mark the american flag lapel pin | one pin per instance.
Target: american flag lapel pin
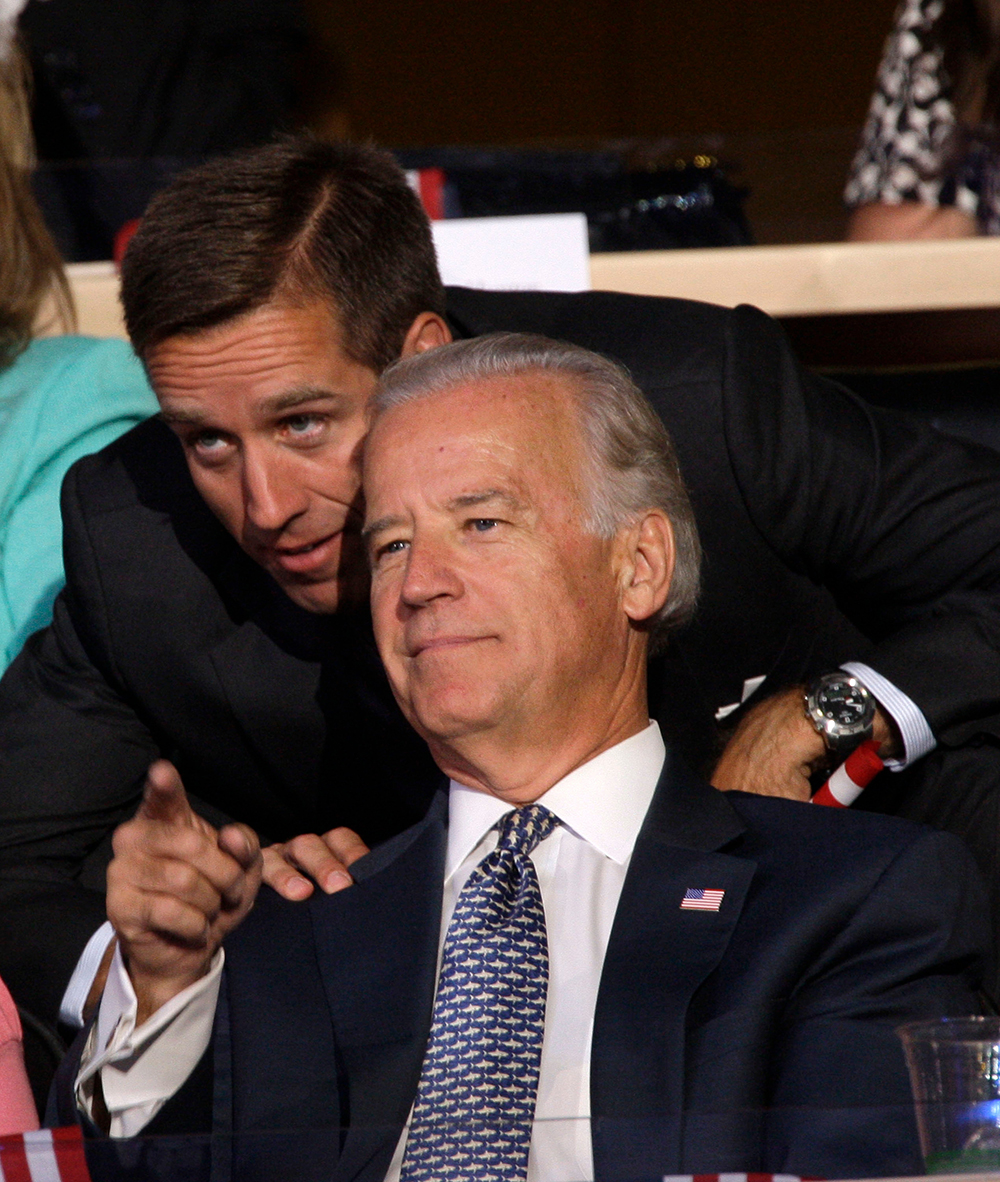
(699, 899)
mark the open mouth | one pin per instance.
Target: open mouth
(308, 557)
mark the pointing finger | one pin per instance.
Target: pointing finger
(164, 798)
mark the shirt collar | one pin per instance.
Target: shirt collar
(604, 801)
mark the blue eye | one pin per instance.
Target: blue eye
(396, 547)
(482, 524)
(209, 442)
(303, 425)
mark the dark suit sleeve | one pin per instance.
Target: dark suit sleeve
(73, 759)
(839, 1095)
(901, 523)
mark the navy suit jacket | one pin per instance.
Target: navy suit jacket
(758, 1038)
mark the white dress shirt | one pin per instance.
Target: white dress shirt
(581, 867)
(141, 1067)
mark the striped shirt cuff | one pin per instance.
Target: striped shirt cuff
(75, 997)
(918, 738)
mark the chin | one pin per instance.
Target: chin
(323, 598)
(449, 719)
(327, 596)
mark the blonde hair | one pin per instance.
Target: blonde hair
(31, 271)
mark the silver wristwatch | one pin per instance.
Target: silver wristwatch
(842, 710)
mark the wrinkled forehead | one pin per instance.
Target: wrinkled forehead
(268, 346)
(527, 422)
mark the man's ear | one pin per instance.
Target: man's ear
(649, 565)
(426, 332)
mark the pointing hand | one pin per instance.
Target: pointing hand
(176, 888)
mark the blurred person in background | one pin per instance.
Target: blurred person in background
(929, 161)
(17, 1108)
(61, 397)
(127, 93)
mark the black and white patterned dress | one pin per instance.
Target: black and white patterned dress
(906, 151)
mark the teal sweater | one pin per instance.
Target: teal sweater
(63, 398)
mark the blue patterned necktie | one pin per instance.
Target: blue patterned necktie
(476, 1098)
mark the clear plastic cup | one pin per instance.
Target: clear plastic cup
(954, 1068)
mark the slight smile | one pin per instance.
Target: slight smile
(441, 642)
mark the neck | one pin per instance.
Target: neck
(521, 768)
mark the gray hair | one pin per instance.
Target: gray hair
(632, 460)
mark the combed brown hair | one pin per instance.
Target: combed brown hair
(295, 220)
(30, 267)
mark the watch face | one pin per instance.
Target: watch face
(842, 703)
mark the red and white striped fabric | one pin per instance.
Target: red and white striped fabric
(740, 1178)
(857, 771)
(48, 1155)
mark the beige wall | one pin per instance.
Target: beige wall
(785, 281)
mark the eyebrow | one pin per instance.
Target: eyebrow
(298, 397)
(176, 415)
(377, 527)
(465, 501)
(468, 500)
(276, 404)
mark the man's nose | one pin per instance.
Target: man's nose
(271, 494)
(430, 573)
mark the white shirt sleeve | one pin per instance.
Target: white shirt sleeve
(78, 989)
(142, 1067)
(918, 738)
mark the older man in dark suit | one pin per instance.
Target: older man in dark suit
(213, 574)
(579, 929)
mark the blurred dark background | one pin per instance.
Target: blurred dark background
(775, 90)
(778, 87)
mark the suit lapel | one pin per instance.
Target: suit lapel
(657, 957)
(381, 992)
